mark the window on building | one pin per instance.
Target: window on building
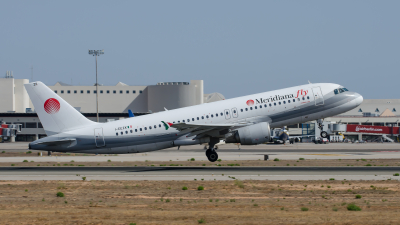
(140, 92)
(120, 91)
(394, 110)
(81, 91)
(114, 92)
(88, 91)
(127, 91)
(108, 91)
(69, 92)
(75, 91)
(31, 125)
(376, 110)
(134, 92)
(94, 92)
(55, 91)
(101, 91)
(62, 91)
(40, 125)
(359, 110)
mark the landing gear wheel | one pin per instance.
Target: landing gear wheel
(208, 152)
(213, 156)
(324, 134)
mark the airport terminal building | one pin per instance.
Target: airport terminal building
(115, 101)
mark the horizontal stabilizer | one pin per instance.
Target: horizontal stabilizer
(58, 142)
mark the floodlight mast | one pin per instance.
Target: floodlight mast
(96, 53)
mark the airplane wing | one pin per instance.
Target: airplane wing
(202, 130)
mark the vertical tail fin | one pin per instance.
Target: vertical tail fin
(55, 114)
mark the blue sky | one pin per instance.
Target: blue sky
(236, 47)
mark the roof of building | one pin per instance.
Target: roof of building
(378, 106)
(213, 97)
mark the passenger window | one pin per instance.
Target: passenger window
(131, 131)
(159, 125)
(246, 109)
(155, 126)
(270, 104)
(197, 118)
(298, 99)
(227, 112)
(207, 116)
(241, 110)
(135, 130)
(222, 114)
(280, 103)
(122, 133)
(188, 120)
(126, 132)
(288, 101)
(274, 103)
(284, 102)
(255, 107)
(260, 106)
(216, 114)
(192, 119)
(150, 127)
(145, 128)
(308, 97)
(179, 121)
(265, 105)
(212, 115)
(202, 117)
(140, 129)
(294, 100)
(234, 111)
(116, 134)
(304, 98)
(251, 108)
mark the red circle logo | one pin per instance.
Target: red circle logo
(51, 106)
(250, 102)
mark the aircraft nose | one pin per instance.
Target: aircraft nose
(358, 99)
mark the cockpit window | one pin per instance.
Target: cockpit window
(340, 90)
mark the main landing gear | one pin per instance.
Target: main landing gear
(210, 152)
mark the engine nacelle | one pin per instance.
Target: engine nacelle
(251, 135)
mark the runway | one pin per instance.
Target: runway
(191, 173)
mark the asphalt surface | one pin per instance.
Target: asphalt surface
(197, 170)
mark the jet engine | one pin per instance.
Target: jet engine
(251, 135)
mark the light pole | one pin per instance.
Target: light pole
(96, 53)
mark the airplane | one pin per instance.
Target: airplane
(246, 120)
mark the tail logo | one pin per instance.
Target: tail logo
(52, 106)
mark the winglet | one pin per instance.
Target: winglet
(130, 113)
